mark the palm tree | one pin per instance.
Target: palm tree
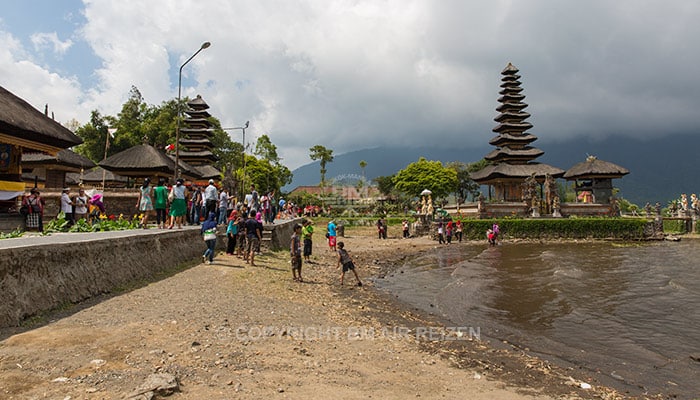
(324, 156)
(363, 164)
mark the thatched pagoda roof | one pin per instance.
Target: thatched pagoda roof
(64, 159)
(501, 171)
(198, 103)
(506, 138)
(198, 155)
(595, 168)
(198, 113)
(196, 132)
(22, 124)
(526, 153)
(208, 171)
(187, 169)
(140, 160)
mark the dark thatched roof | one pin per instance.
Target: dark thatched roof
(187, 169)
(198, 103)
(595, 168)
(501, 171)
(504, 153)
(140, 160)
(65, 158)
(524, 138)
(94, 176)
(208, 172)
(20, 120)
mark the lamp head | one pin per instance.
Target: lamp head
(246, 123)
(205, 45)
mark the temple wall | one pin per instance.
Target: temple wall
(520, 209)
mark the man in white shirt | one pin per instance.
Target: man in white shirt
(67, 206)
(223, 207)
(211, 196)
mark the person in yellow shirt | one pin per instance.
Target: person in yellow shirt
(306, 233)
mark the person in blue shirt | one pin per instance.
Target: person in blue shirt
(332, 235)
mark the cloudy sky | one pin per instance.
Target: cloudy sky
(354, 74)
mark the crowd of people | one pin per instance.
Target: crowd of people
(80, 206)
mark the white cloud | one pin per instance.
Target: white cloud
(51, 40)
(38, 85)
(351, 74)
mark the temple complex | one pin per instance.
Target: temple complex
(512, 161)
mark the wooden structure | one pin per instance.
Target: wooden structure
(512, 162)
(24, 129)
(52, 170)
(146, 161)
(593, 179)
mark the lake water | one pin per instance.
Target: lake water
(628, 312)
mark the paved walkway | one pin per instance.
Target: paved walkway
(34, 239)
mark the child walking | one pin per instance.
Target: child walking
(345, 260)
(295, 253)
(208, 231)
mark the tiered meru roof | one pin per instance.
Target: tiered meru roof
(197, 136)
(512, 159)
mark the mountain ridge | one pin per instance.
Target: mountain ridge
(660, 169)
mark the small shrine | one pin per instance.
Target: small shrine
(512, 161)
(593, 179)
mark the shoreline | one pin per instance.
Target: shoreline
(490, 357)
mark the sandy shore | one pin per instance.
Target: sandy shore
(229, 330)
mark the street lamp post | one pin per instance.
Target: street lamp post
(242, 128)
(179, 109)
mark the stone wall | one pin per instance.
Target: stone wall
(42, 277)
(280, 233)
(45, 272)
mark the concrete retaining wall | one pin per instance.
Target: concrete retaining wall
(42, 277)
(44, 272)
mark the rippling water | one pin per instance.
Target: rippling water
(628, 311)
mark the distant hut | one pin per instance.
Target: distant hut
(52, 170)
(97, 177)
(25, 129)
(593, 179)
(144, 161)
(196, 140)
(511, 163)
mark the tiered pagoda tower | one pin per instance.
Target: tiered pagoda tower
(196, 139)
(513, 159)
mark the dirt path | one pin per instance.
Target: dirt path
(229, 330)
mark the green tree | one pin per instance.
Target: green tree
(265, 149)
(265, 175)
(94, 135)
(363, 164)
(424, 174)
(324, 156)
(385, 184)
(466, 187)
(266, 172)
